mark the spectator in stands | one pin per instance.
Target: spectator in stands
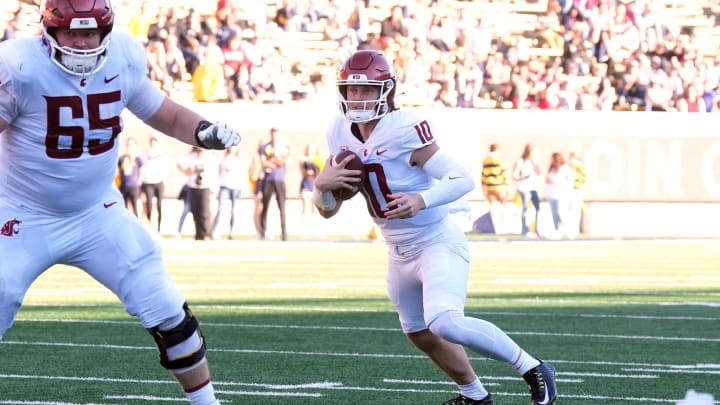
(441, 34)
(227, 27)
(140, 22)
(611, 33)
(392, 29)
(691, 101)
(336, 30)
(193, 53)
(359, 22)
(710, 95)
(209, 76)
(550, 29)
(160, 27)
(497, 73)
(371, 42)
(315, 15)
(237, 69)
(192, 25)
(268, 80)
(658, 97)
(177, 24)
(157, 65)
(175, 64)
(283, 15)
(605, 95)
(632, 90)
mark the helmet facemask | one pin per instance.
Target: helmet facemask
(78, 62)
(365, 110)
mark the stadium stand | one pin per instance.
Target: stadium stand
(552, 52)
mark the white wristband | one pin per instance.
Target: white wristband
(325, 200)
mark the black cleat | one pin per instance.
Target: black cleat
(463, 400)
(541, 380)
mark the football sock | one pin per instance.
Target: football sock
(525, 362)
(203, 394)
(474, 390)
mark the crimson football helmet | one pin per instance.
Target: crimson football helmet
(367, 68)
(77, 14)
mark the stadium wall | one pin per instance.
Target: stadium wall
(648, 174)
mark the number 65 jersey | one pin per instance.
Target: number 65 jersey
(60, 152)
(386, 155)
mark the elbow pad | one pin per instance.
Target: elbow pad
(454, 181)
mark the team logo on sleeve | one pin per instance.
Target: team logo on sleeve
(11, 227)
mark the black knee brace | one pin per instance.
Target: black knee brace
(172, 337)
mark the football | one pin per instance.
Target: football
(355, 164)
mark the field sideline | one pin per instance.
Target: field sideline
(625, 322)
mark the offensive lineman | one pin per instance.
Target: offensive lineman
(408, 187)
(61, 95)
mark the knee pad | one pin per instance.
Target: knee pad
(186, 333)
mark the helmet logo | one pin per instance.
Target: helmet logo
(83, 23)
(356, 77)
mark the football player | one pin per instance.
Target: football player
(61, 95)
(408, 186)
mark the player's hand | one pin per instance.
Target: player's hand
(401, 205)
(335, 176)
(216, 136)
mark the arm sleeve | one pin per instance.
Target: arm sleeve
(454, 181)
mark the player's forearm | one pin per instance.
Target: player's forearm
(176, 121)
(454, 182)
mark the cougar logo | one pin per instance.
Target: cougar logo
(11, 227)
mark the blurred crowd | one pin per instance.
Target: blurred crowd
(576, 55)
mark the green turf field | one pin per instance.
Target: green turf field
(625, 322)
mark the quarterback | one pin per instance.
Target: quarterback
(408, 185)
(61, 95)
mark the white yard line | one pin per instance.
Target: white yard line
(20, 402)
(679, 367)
(288, 390)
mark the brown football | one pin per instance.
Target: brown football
(355, 164)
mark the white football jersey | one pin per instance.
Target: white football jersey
(386, 155)
(60, 153)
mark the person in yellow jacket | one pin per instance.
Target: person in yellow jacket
(495, 187)
(209, 77)
(577, 200)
